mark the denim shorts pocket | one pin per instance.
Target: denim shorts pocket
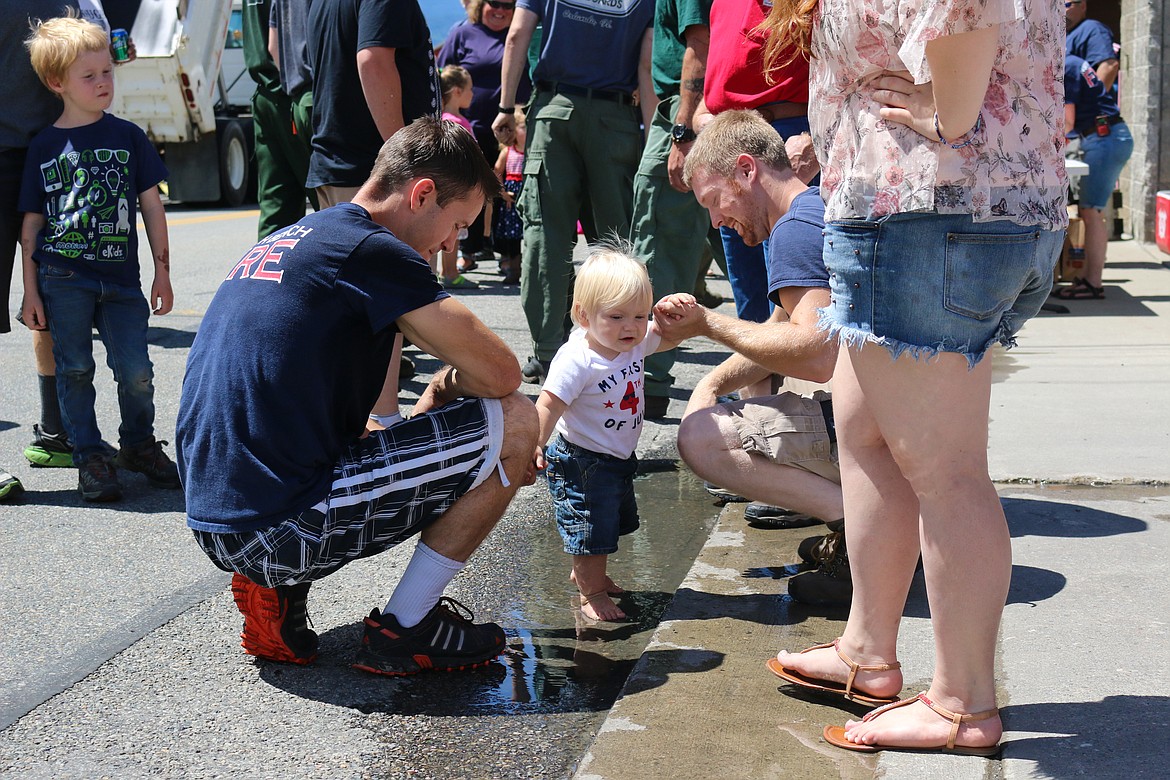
(985, 272)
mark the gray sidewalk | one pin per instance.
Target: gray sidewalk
(1084, 400)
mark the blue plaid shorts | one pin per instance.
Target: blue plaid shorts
(386, 488)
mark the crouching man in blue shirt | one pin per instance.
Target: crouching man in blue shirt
(286, 479)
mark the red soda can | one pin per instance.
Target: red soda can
(120, 43)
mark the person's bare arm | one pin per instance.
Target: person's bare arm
(274, 46)
(33, 308)
(479, 362)
(1107, 71)
(694, 68)
(1070, 117)
(382, 87)
(647, 99)
(154, 217)
(549, 409)
(514, 63)
(784, 344)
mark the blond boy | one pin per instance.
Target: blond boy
(85, 178)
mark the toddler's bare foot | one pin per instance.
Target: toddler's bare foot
(826, 664)
(599, 606)
(610, 586)
(915, 725)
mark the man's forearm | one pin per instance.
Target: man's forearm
(694, 69)
(776, 347)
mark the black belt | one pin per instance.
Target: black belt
(830, 426)
(1109, 120)
(612, 95)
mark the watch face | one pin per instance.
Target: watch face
(681, 134)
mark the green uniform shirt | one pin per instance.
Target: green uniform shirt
(256, 57)
(671, 18)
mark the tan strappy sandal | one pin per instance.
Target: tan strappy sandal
(829, 686)
(835, 735)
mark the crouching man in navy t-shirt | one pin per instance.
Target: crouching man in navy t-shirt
(284, 481)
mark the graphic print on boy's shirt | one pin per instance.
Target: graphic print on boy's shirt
(85, 182)
(87, 210)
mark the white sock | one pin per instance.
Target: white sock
(426, 577)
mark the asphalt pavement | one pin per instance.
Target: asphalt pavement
(119, 656)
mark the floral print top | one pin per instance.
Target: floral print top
(871, 168)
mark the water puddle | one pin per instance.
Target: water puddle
(559, 660)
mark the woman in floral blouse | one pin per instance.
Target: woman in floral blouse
(938, 126)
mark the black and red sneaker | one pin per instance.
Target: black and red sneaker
(444, 641)
(276, 621)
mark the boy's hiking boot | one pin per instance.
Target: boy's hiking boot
(97, 480)
(52, 450)
(276, 621)
(445, 641)
(149, 459)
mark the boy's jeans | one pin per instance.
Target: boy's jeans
(74, 305)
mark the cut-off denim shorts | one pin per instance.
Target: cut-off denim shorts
(926, 283)
(593, 497)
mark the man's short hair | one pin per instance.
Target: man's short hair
(611, 276)
(57, 43)
(443, 152)
(729, 135)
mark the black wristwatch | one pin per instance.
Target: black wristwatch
(681, 134)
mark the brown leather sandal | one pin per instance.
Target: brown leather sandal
(835, 735)
(828, 686)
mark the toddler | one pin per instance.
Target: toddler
(85, 178)
(593, 398)
(508, 229)
(455, 82)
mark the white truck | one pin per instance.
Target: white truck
(176, 92)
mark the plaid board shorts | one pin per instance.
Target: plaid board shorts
(386, 488)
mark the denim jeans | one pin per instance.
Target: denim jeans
(593, 497)
(74, 305)
(747, 268)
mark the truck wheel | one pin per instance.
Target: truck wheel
(233, 163)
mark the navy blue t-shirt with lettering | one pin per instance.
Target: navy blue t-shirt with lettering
(796, 246)
(289, 359)
(85, 182)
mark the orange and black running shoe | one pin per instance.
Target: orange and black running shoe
(444, 641)
(275, 621)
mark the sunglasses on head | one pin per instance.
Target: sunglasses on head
(1071, 3)
(499, 5)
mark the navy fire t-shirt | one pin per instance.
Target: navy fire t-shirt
(287, 364)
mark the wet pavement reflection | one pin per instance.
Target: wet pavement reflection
(558, 659)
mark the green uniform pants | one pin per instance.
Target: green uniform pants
(283, 130)
(577, 148)
(669, 233)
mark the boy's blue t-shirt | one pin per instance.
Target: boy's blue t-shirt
(85, 181)
(591, 43)
(289, 359)
(796, 246)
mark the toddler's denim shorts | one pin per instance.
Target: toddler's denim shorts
(593, 497)
(927, 283)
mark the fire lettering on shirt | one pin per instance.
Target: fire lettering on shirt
(256, 264)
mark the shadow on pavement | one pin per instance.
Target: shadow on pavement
(1029, 517)
(1119, 736)
(137, 497)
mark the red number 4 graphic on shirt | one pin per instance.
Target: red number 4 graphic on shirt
(630, 399)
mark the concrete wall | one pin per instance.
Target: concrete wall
(1145, 72)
